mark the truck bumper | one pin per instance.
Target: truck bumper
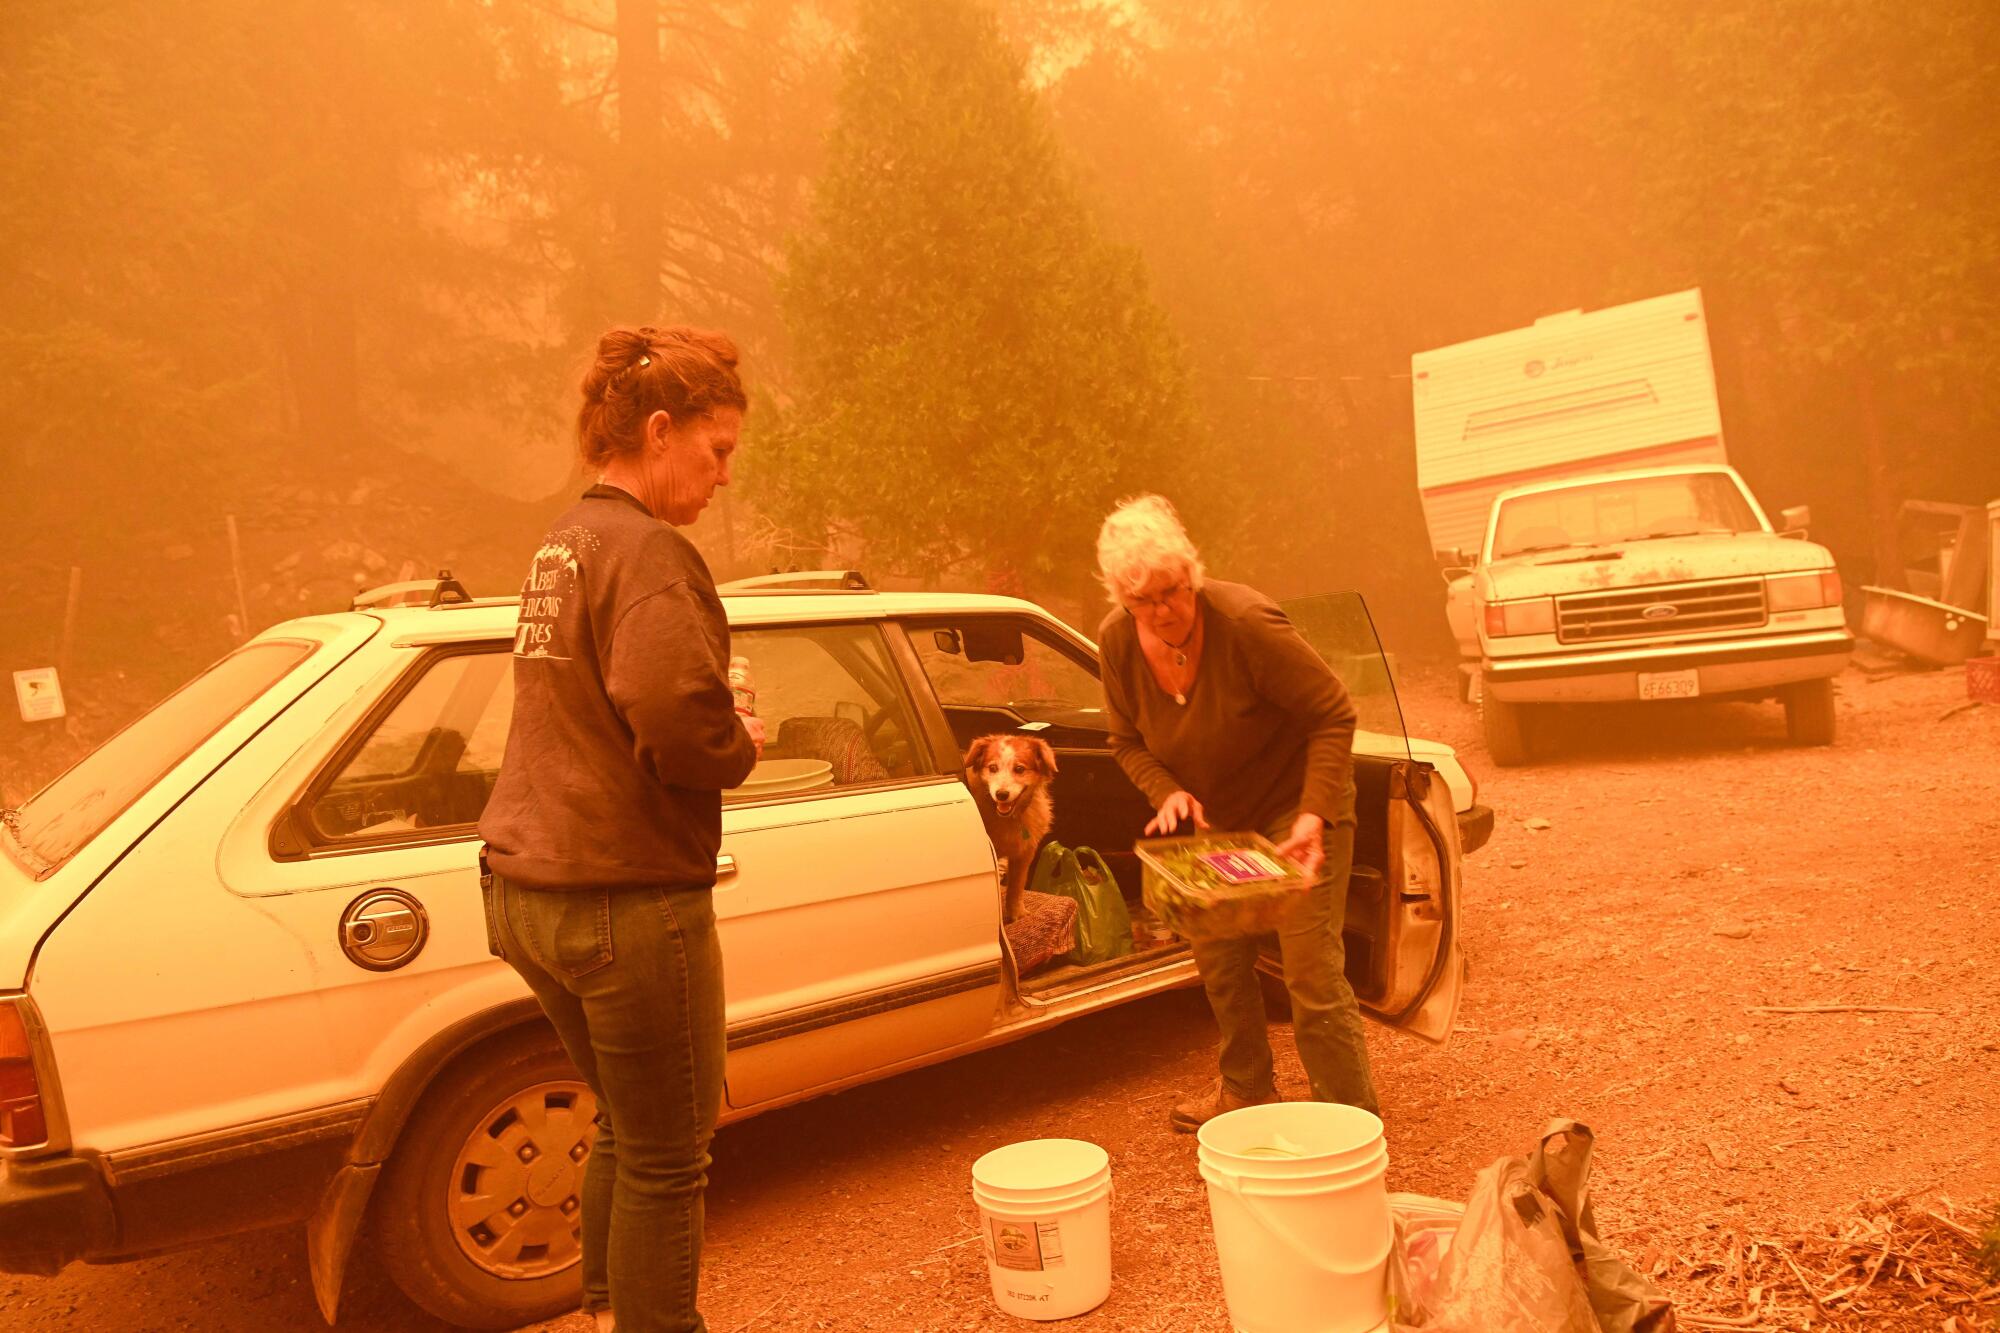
(1734, 666)
(52, 1212)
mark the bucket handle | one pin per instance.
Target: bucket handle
(1283, 1233)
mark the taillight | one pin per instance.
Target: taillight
(23, 1123)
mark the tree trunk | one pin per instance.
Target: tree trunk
(638, 202)
(1885, 498)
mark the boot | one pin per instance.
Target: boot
(1211, 1102)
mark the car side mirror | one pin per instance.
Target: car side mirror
(1793, 522)
(1451, 558)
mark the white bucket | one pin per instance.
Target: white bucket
(1301, 1216)
(1045, 1207)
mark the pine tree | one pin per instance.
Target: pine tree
(981, 373)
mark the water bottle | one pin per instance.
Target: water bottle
(740, 686)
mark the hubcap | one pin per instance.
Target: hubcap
(516, 1190)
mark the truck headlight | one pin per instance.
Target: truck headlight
(1803, 592)
(1536, 615)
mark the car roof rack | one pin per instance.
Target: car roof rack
(444, 590)
(800, 580)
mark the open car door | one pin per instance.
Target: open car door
(1401, 931)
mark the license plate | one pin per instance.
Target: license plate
(1669, 684)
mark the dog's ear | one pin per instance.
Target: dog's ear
(1044, 753)
(975, 754)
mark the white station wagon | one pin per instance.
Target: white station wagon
(244, 977)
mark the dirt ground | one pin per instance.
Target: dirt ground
(1694, 868)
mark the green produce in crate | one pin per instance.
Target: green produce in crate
(1219, 885)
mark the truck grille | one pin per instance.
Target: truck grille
(1592, 617)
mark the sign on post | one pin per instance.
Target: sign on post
(39, 694)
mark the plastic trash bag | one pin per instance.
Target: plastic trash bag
(1103, 926)
(1525, 1258)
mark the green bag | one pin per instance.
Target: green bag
(1103, 927)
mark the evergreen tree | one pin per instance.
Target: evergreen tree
(980, 372)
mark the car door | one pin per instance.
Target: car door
(1401, 933)
(860, 918)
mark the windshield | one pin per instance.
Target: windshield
(1341, 631)
(63, 816)
(1622, 509)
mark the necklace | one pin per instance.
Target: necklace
(1179, 651)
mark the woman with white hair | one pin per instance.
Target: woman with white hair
(1223, 716)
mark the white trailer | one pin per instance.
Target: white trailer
(1631, 386)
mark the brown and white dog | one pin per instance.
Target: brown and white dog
(1010, 777)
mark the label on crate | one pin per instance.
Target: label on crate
(1246, 866)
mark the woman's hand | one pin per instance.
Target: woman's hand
(1181, 805)
(1306, 845)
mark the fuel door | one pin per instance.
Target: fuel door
(383, 929)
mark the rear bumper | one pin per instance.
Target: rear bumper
(1728, 667)
(52, 1212)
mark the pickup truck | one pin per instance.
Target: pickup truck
(1650, 584)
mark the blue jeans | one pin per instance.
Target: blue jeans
(632, 981)
(1326, 1019)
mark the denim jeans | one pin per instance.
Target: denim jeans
(632, 981)
(1326, 1020)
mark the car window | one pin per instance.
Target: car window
(59, 819)
(1622, 509)
(1005, 664)
(833, 706)
(430, 761)
(1341, 631)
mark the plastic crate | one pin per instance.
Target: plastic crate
(1198, 900)
(1982, 679)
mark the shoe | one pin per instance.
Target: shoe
(1211, 1102)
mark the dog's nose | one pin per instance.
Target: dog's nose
(1003, 795)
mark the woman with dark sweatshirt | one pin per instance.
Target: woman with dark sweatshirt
(603, 828)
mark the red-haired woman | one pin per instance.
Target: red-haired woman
(603, 828)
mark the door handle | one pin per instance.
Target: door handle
(725, 866)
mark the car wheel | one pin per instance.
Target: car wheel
(1809, 712)
(1506, 730)
(479, 1217)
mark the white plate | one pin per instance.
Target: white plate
(773, 777)
(1670, 684)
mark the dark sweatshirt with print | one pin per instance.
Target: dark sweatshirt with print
(624, 733)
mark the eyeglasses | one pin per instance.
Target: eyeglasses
(1156, 603)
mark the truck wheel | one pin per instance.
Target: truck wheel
(1809, 712)
(479, 1216)
(1506, 727)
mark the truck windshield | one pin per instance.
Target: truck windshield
(1622, 509)
(63, 816)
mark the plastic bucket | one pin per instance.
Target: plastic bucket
(1301, 1216)
(1045, 1208)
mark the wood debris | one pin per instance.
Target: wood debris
(1892, 1265)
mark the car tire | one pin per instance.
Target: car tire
(480, 1131)
(1506, 728)
(1809, 718)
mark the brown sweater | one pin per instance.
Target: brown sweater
(1267, 730)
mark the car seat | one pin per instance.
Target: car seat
(837, 740)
